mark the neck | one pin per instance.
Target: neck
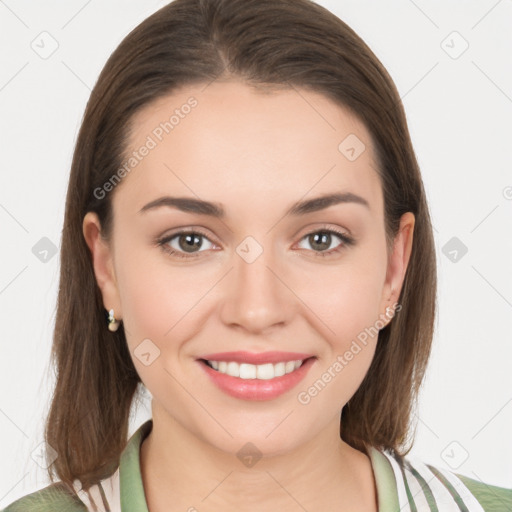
(181, 471)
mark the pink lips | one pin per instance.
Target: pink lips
(257, 389)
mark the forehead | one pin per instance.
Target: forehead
(228, 142)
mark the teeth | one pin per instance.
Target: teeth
(252, 371)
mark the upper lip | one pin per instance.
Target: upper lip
(256, 358)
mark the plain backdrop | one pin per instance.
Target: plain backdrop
(451, 63)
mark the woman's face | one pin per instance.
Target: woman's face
(262, 268)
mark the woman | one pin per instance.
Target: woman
(246, 236)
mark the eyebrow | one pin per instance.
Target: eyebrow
(201, 207)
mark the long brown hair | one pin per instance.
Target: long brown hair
(290, 43)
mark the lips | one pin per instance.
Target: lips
(259, 386)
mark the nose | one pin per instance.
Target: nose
(257, 297)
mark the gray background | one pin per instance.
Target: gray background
(459, 108)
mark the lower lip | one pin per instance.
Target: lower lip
(257, 389)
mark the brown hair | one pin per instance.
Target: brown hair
(262, 42)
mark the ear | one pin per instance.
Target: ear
(397, 264)
(102, 257)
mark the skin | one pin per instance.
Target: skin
(255, 153)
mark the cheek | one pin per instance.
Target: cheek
(349, 314)
(158, 300)
(346, 301)
(346, 308)
(160, 307)
(346, 294)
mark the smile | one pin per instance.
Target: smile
(264, 381)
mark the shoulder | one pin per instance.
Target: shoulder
(422, 484)
(53, 498)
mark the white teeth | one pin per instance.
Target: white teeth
(280, 369)
(247, 371)
(251, 371)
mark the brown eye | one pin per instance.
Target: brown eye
(322, 240)
(184, 243)
(189, 242)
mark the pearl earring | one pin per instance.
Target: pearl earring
(113, 324)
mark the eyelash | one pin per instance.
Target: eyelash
(345, 239)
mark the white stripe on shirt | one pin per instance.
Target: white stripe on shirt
(418, 493)
(92, 498)
(112, 490)
(441, 494)
(469, 500)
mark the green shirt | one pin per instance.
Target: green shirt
(411, 487)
